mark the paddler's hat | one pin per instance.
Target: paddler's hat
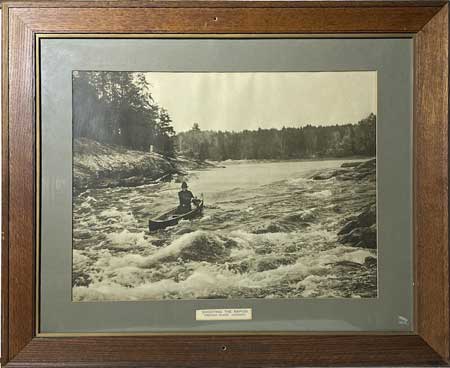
(184, 185)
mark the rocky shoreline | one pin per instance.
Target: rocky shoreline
(97, 165)
(358, 230)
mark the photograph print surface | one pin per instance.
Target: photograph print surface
(224, 185)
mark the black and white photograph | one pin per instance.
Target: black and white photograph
(232, 185)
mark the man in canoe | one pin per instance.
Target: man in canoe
(185, 196)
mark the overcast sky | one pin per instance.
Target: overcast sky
(238, 101)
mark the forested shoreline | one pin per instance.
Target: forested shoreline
(118, 108)
(287, 143)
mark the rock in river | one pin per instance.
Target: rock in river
(361, 230)
(361, 237)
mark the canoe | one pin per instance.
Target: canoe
(172, 218)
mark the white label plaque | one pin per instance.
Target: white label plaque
(230, 314)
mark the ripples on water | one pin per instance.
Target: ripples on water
(267, 232)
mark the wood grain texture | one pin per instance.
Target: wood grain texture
(5, 194)
(431, 183)
(20, 127)
(25, 18)
(223, 4)
(401, 19)
(243, 351)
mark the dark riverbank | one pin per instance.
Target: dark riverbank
(97, 165)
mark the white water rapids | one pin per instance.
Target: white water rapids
(268, 231)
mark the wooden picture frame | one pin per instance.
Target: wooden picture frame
(428, 21)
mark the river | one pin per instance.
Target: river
(268, 231)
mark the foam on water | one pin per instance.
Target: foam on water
(207, 280)
(128, 239)
(269, 241)
(321, 194)
(79, 260)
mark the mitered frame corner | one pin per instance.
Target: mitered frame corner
(426, 20)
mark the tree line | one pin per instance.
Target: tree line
(287, 143)
(118, 108)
